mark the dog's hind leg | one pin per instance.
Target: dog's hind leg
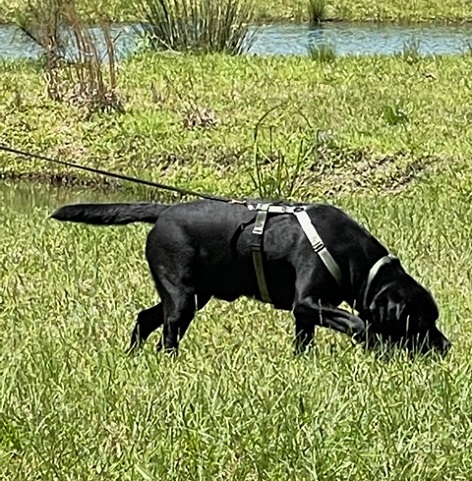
(179, 310)
(200, 302)
(172, 257)
(147, 322)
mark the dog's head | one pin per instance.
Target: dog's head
(402, 312)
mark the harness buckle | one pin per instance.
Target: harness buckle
(318, 246)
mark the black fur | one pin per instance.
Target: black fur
(201, 249)
(109, 214)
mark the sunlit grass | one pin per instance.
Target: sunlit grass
(357, 106)
(235, 404)
(380, 10)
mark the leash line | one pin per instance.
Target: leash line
(115, 175)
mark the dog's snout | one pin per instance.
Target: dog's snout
(437, 341)
(442, 344)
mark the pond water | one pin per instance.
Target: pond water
(290, 39)
(23, 196)
(362, 38)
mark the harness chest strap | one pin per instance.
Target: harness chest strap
(308, 228)
(256, 247)
(317, 244)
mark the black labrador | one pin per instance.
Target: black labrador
(201, 249)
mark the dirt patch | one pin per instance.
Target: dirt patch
(63, 179)
(339, 171)
(333, 171)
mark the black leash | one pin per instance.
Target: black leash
(114, 175)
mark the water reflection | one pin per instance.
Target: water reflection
(286, 39)
(23, 196)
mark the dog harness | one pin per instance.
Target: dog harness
(372, 273)
(263, 210)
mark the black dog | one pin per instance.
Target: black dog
(201, 249)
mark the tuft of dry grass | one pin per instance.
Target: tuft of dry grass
(74, 68)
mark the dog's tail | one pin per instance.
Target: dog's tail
(109, 214)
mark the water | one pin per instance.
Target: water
(15, 44)
(346, 38)
(24, 196)
(362, 38)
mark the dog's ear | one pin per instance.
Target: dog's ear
(386, 309)
(396, 310)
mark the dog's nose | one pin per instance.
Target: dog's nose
(438, 341)
(443, 345)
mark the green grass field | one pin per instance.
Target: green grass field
(276, 10)
(236, 404)
(391, 145)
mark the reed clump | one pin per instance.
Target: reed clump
(197, 25)
(316, 11)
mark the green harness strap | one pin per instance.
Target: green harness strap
(256, 247)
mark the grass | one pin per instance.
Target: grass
(395, 115)
(361, 132)
(411, 52)
(323, 52)
(271, 10)
(365, 151)
(236, 404)
(197, 25)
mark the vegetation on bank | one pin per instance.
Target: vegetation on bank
(365, 123)
(197, 26)
(298, 10)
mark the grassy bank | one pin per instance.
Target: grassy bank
(368, 124)
(276, 10)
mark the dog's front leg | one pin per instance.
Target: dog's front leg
(304, 333)
(309, 312)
